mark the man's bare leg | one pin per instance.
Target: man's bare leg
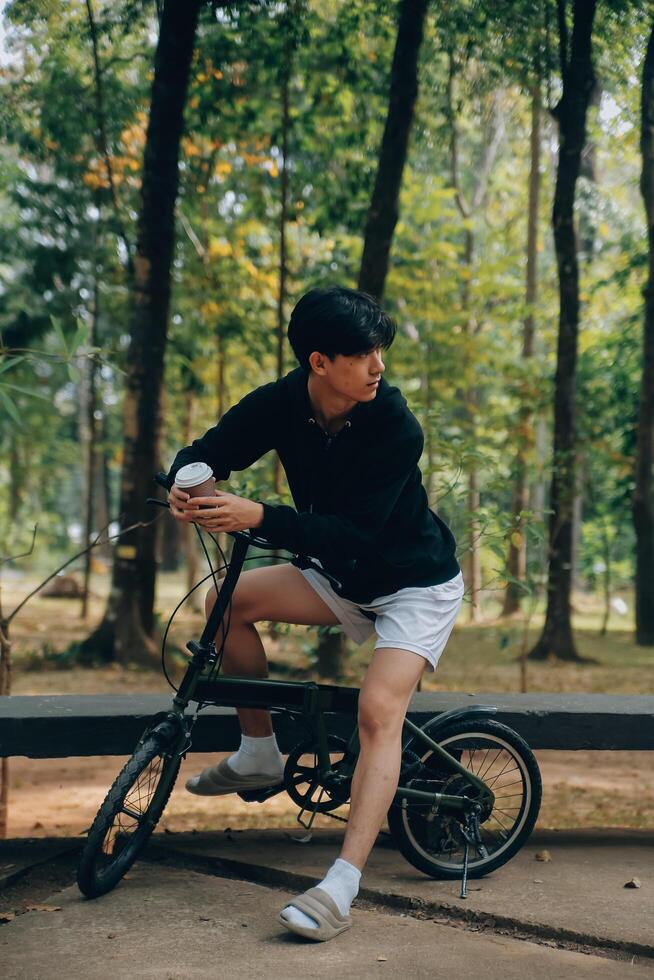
(279, 593)
(389, 683)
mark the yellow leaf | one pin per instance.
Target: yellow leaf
(516, 539)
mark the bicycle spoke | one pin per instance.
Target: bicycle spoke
(482, 775)
(130, 813)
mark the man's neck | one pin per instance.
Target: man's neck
(331, 409)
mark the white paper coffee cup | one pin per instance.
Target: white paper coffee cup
(196, 479)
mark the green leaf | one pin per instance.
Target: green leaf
(74, 374)
(81, 335)
(10, 363)
(56, 326)
(27, 391)
(11, 408)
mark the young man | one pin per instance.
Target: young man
(350, 448)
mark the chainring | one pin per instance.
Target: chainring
(303, 782)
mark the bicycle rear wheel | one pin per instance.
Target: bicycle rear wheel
(431, 839)
(130, 812)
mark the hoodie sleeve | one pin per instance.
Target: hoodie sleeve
(244, 434)
(377, 484)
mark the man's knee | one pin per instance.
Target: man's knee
(380, 714)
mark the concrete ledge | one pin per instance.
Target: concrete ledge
(58, 726)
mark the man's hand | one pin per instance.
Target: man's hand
(223, 512)
(178, 500)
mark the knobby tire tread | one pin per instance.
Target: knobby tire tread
(90, 884)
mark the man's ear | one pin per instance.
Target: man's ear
(317, 362)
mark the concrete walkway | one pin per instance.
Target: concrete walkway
(172, 924)
(205, 905)
(578, 895)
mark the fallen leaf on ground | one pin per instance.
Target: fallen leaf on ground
(382, 959)
(7, 916)
(538, 881)
(633, 883)
(543, 856)
(43, 908)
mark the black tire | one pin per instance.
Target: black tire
(428, 840)
(143, 786)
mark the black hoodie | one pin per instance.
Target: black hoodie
(361, 506)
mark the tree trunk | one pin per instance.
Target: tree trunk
(517, 557)
(330, 656)
(283, 218)
(429, 431)
(577, 519)
(125, 632)
(556, 639)
(278, 479)
(587, 208)
(384, 205)
(101, 492)
(169, 543)
(5, 689)
(188, 533)
(643, 512)
(89, 438)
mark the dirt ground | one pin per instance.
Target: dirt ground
(581, 789)
(59, 797)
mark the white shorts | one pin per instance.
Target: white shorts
(418, 618)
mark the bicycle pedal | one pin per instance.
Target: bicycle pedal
(259, 795)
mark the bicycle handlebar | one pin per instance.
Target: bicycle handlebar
(251, 539)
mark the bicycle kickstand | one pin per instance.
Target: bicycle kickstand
(471, 835)
(464, 879)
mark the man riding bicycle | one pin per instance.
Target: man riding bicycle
(350, 447)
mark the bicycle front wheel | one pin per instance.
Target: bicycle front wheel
(431, 839)
(129, 813)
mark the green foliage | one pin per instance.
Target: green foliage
(457, 356)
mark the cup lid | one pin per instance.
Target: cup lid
(192, 474)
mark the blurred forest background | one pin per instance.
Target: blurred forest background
(176, 174)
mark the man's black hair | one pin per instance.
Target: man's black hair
(337, 320)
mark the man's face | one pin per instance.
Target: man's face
(351, 375)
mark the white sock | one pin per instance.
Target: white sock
(257, 755)
(341, 882)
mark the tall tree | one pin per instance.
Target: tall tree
(643, 507)
(517, 556)
(384, 208)
(384, 205)
(126, 629)
(577, 75)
